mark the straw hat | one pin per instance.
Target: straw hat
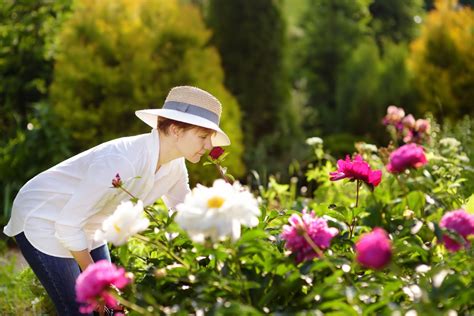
(189, 105)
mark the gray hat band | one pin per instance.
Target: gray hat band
(192, 109)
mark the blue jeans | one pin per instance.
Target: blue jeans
(58, 275)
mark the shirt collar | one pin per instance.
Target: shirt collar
(154, 148)
(165, 169)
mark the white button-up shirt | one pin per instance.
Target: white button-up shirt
(60, 209)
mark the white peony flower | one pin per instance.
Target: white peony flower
(218, 211)
(126, 221)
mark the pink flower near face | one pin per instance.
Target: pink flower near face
(357, 169)
(94, 283)
(216, 152)
(461, 222)
(407, 156)
(317, 230)
(374, 249)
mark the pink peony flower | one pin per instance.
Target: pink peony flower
(394, 116)
(462, 223)
(409, 121)
(94, 283)
(374, 250)
(117, 181)
(316, 228)
(407, 156)
(422, 126)
(357, 169)
(216, 152)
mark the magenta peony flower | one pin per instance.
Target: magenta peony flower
(94, 283)
(357, 169)
(374, 250)
(216, 152)
(316, 228)
(407, 156)
(461, 222)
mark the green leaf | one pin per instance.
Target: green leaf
(341, 307)
(123, 254)
(359, 212)
(470, 204)
(251, 235)
(416, 202)
(336, 215)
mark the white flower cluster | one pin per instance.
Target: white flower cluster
(217, 212)
(126, 221)
(312, 141)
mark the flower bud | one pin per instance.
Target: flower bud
(374, 249)
(216, 152)
(117, 181)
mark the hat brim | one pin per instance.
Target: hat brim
(149, 116)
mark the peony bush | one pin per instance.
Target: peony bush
(401, 247)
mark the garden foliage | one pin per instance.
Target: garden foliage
(374, 240)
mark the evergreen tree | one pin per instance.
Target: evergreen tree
(397, 21)
(369, 83)
(333, 29)
(250, 36)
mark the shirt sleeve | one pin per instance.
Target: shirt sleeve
(94, 186)
(179, 190)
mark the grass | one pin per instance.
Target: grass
(21, 293)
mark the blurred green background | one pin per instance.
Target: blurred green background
(73, 73)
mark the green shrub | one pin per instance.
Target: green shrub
(442, 61)
(115, 57)
(41, 144)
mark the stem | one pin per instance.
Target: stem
(357, 194)
(351, 228)
(145, 209)
(322, 257)
(126, 191)
(239, 275)
(130, 305)
(352, 224)
(164, 248)
(401, 184)
(222, 173)
(149, 213)
(318, 250)
(313, 245)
